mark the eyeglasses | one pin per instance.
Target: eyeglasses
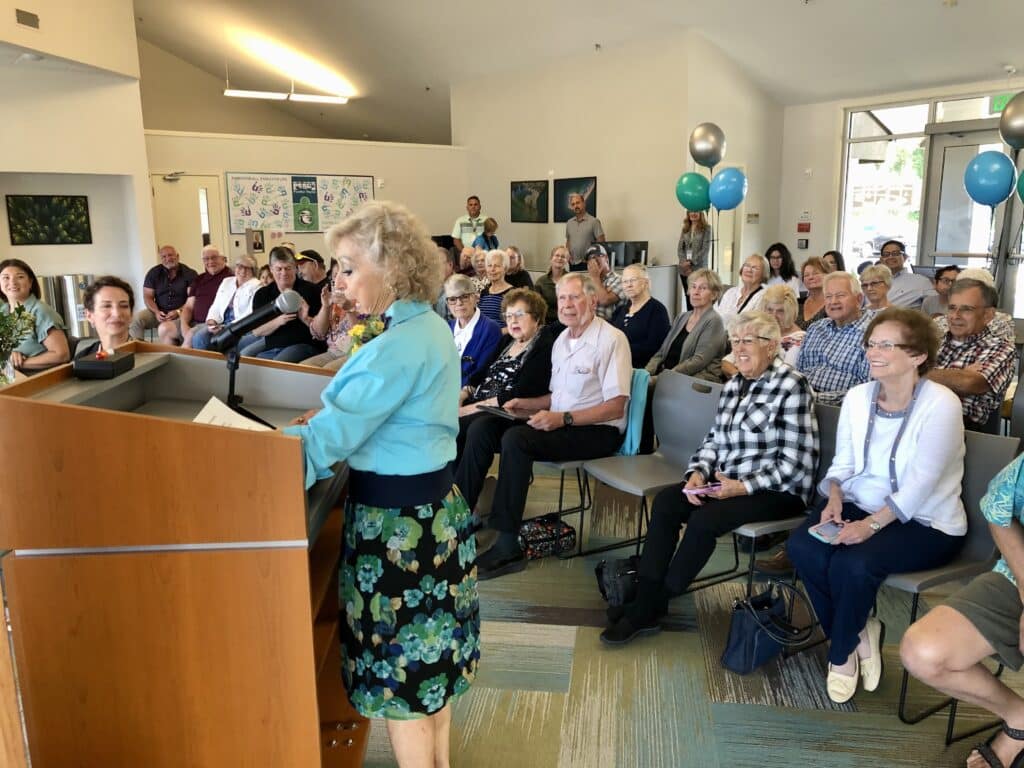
(748, 341)
(244, 266)
(510, 316)
(884, 346)
(459, 299)
(873, 284)
(945, 280)
(891, 253)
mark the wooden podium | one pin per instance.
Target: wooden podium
(171, 590)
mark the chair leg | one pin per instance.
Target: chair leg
(720, 577)
(643, 517)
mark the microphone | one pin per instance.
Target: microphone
(285, 304)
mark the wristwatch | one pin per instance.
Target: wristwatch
(567, 419)
(874, 525)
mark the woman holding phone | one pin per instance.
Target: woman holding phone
(760, 453)
(893, 495)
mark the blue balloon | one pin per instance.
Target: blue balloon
(988, 178)
(728, 189)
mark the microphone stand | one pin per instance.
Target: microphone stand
(234, 401)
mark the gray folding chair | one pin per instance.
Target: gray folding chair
(828, 421)
(684, 410)
(986, 455)
(1017, 410)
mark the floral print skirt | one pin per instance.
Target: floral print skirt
(410, 616)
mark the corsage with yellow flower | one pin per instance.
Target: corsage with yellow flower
(367, 328)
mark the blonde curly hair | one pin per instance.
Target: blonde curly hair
(394, 240)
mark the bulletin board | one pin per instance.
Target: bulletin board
(293, 203)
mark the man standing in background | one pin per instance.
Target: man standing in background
(468, 227)
(581, 231)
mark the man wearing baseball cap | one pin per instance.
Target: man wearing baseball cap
(609, 285)
(311, 267)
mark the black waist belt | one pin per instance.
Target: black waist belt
(399, 490)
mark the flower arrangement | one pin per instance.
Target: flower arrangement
(14, 327)
(367, 328)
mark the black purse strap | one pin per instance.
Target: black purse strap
(776, 628)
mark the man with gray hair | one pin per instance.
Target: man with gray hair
(973, 361)
(832, 353)
(202, 292)
(584, 417)
(581, 231)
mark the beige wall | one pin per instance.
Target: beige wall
(429, 179)
(77, 123)
(177, 96)
(812, 159)
(99, 33)
(623, 115)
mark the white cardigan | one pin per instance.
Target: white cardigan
(727, 305)
(929, 464)
(237, 296)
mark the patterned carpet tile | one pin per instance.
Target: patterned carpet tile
(525, 658)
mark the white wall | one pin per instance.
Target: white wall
(99, 33)
(106, 194)
(79, 122)
(623, 115)
(429, 179)
(177, 96)
(812, 159)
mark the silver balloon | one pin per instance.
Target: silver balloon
(1011, 122)
(707, 145)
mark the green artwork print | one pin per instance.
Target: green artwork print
(49, 219)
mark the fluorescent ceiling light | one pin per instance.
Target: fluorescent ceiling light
(290, 63)
(312, 97)
(242, 94)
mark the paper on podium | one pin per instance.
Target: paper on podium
(217, 412)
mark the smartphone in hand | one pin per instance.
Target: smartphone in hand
(702, 490)
(826, 532)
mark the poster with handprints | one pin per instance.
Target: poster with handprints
(293, 203)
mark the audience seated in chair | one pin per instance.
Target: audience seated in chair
(762, 449)
(517, 274)
(907, 289)
(47, 345)
(476, 336)
(331, 325)
(610, 294)
(492, 297)
(583, 417)
(893, 489)
(232, 302)
(522, 368)
(973, 361)
(946, 648)
(201, 294)
(749, 294)
(781, 303)
(286, 338)
(545, 285)
(644, 319)
(164, 291)
(832, 353)
(109, 302)
(875, 282)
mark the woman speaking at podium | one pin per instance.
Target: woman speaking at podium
(410, 615)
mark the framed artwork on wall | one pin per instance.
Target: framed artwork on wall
(49, 219)
(529, 201)
(584, 185)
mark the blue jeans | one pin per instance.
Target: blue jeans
(251, 345)
(201, 338)
(842, 581)
(295, 353)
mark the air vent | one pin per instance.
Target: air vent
(27, 18)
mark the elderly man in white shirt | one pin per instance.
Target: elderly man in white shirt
(584, 417)
(232, 302)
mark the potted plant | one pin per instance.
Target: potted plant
(14, 327)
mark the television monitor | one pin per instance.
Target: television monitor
(626, 252)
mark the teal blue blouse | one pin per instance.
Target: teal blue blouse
(1004, 502)
(44, 318)
(393, 408)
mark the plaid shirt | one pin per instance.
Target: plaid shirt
(832, 357)
(993, 357)
(765, 433)
(613, 283)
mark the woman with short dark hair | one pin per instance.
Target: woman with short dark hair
(892, 493)
(109, 302)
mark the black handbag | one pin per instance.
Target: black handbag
(617, 580)
(759, 628)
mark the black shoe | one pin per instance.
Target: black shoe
(622, 631)
(614, 613)
(492, 564)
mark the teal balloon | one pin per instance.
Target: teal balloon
(727, 189)
(989, 178)
(692, 192)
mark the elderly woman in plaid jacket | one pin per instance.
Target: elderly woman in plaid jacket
(760, 455)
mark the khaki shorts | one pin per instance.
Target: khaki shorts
(992, 604)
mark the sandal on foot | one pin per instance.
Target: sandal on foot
(985, 748)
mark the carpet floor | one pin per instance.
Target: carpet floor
(550, 694)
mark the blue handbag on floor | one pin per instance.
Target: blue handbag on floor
(760, 629)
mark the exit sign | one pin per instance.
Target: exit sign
(997, 102)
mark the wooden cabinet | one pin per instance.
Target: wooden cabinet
(167, 603)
